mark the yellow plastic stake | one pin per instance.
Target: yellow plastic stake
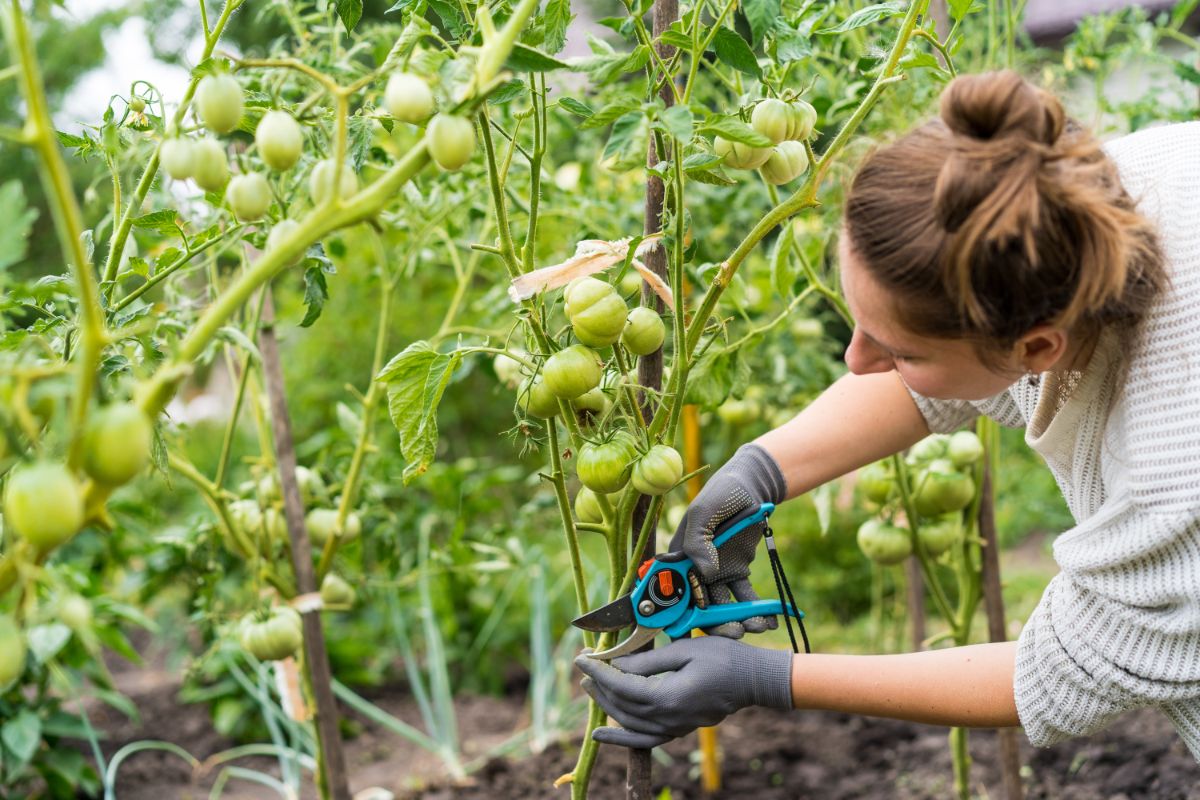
(710, 764)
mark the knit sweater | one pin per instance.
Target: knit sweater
(1119, 627)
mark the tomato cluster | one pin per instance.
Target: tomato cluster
(787, 125)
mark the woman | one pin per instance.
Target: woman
(998, 262)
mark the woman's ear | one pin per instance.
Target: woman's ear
(1041, 348)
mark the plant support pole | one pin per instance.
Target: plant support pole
(332, 780)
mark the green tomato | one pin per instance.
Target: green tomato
(806, 329)
(210, 169)
(321, 524)
(279, 139)
(177, 158)
(336, 592)
(320, 182)
(788, 160)
(451, 141)
(739, 412)
(408, 98)
(312, 487)
(275, 638)
(941, 533)
(509, 371)
(658, 471)
(928, 449)
(536, 399)
(884, 543)
(284, 229)
(596, 312)
(876, 482)
(75, 612)
(644, 331)
(572, 371)
(941, 490)
(137, 105)
(587, 506)
(249, 196)
(607, 467)
(773, 119)
(593, 402)
(219, 102)
(43, 503)
(803, 120)
(631, 282)
(964, 448)
(740, 156)
(117, 444)
(12, 652)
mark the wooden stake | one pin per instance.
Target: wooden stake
(332, 780)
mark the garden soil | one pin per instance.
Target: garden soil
(768, 755)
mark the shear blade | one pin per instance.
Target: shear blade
(614, 616)
(639, 637)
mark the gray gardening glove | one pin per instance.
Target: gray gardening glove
(745, 482)
(661, 694)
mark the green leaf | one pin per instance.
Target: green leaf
(18, 222)
(714, 376)
(608, 66)
(576, 107)
(508, 92)
(733, 50)
(1187, 72)
(608, 114)
(165, 221)
(45, 641)
(867, 16)
(960, 8)
(783, 273)
(416, 378)
(677, 120)
(350, 12)
(21, 736)
(792, 44)
(316, 292)
(360, 132)
(762, 16)
(451, 18)
(401, 5)
(556, 19)
(676, 38)
(627, 140)
(524, 58)
(733, 130)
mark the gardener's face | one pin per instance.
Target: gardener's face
(941, 368)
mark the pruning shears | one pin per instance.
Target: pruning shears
(670, 598)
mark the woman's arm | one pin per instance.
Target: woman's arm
(857, 420)
(969, 686)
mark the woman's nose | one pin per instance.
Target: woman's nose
(864, 358)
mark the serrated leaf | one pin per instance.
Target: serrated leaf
(350, 12)
(451, 18)
(762, 16)
(960, 8)
(867, 16)
(1187, 72)
(165, 221)
(714, 176)
(608, 114)
(21, 736)
(677, 121)
(524, 58)
(556, 19)
(576, 107)
(733, 130)
(18, 222)
(715, 376)
(792, 44)
(627, 138)
(401, 5)
(416, 378)
(508, 92)
(316, 292)
(732, 50)
(676, 38)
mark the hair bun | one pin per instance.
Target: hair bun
(999, 105)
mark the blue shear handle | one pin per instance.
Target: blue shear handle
(759, 516)
(729, 612)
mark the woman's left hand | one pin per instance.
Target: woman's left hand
(669, 692)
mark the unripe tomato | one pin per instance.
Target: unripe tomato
(210, 170)
(219, 102)
(279, 140)
(177, 158)
(335, 591)
(408, 98)
(312, 488)
(278, 636)
(606, 467)
(596, 312)
(249, 196)
(509, 371)
(572, 371)
(117, 444)
(940, 490)
(928, 449)
(75, 612)
(593, 401)
(536, 399)
(451, 141)
(940, 534)
(12, 652)
(964, 448)
(257, 524)
(44, 504)
(788, 160)
(803, 120)
(658, 471)
(740, 156)
(631, 282)
(876, 482)
(806, 328)
(773, 119)
(320, 182)
(587, 506)
(739, 412)
(321, 522)
(137, 105)
(884, 543)
(644, 331)
(284, 229)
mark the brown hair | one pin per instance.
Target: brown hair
(1000, 215)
